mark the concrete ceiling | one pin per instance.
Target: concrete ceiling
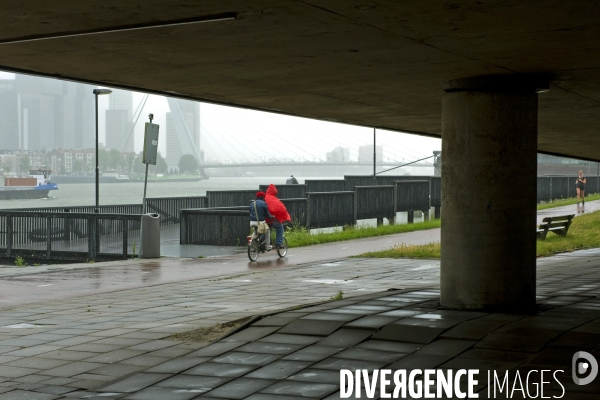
(373, 63)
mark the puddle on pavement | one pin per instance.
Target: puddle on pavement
(422, 267)
(22, 326)
(328, 281)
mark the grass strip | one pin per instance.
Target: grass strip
(583, 234)
(566, 202)
(300, 236)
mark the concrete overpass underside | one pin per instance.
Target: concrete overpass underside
(373, 63)
(469, 69)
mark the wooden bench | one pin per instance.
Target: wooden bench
(559, 225)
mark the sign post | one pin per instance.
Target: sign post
(150, 152)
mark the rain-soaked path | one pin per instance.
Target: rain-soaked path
(37, 284)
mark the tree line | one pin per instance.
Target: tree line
(114, 160)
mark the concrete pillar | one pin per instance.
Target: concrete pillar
(489, 142)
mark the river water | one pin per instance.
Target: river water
(132, 192)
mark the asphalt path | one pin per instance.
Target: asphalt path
(31, 285)
(38, 284)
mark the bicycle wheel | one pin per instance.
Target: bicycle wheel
(283, 250)
(253, 250)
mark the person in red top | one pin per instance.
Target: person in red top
(278, 211)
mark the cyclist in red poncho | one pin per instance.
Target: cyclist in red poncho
(278, 211)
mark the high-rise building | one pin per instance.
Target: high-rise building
(190, 113)
(119, 132)
(174, 151)
(54, 113)
(9, 116)
(365, 153)
(338, 155)
(120, 100)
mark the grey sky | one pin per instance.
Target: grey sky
(236, 134)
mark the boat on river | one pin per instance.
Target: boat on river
(36, 186)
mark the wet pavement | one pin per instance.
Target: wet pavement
(112, 345)
(297, 354)
(20, 285)
(578, 210)
(75, 330)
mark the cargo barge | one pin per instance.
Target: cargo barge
(36, 186)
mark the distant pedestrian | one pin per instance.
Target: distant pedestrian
(580, 185)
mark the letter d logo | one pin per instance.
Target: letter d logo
(581, 368)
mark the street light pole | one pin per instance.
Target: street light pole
(96, 93)
(374, 155)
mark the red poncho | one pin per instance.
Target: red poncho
(276, 207)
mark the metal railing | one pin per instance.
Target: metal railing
(375, 202)
(68, 235)
(229, 198)
(561, 187)
(325, 185)
(214, 227)
(169, 208)
(327, 209)
(287, 191)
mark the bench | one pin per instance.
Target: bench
(559, 225)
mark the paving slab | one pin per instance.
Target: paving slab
(291, 339)
(164, 393)
(138, 319)
(409, 333)
(373, 322)
(221, 370)
(178, 365)
(134, 383)
(279, 369)
(311, 327)
(304, 389)
(313, 353)
(240, 388)
(246, 358)
(27, 395)
(270, 348)
(203, 383)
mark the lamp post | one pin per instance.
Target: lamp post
(96, 93)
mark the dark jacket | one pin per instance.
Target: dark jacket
(276, 207)
(261, 207)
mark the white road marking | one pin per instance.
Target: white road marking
(50, 284)
(328, 281)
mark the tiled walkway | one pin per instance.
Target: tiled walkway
(81, 346)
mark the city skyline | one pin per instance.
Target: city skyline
(232, 134)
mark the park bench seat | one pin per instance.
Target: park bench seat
(559, 225)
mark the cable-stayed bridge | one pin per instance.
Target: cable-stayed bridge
(316, 169)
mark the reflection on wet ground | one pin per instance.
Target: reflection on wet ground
(33, 284)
